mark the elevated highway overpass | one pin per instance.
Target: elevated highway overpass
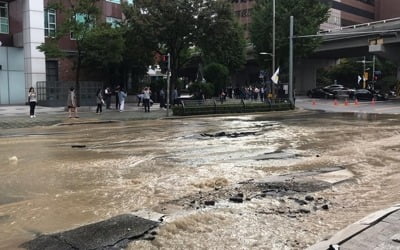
(380, 38)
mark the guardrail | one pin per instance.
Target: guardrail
(355, 26)
(215, 106)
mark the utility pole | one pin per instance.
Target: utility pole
(168, 82)
(373, 72)
(290, 89)
(273, 47)
(365, 74)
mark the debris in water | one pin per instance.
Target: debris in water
(209, 203)
(236, 199)
(13, 160)
(325, 207)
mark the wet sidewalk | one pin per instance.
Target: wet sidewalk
(18, 116)
(379, 230)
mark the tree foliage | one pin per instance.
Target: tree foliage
(79, 19)
(308, 15)
(348, 70)
(103, 47)
(183, 28)
(173, 24)
(221, 38)
(140, 41)
(201, 89)
(218, 75)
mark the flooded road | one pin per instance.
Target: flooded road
(61, 177)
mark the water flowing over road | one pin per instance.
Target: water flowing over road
(61, 177)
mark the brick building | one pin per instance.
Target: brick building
(386, 9)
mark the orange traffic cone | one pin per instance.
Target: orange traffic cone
(335, 102)
(314, 102)
(373, 101)
(356, 102)
(346, 103)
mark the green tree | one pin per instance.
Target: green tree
(348, 70)
(218, 75)
(103, 47)
(174, 24)
(140, 42)
(308, 15)
(221, 38)
(79, 19)
(200, 90)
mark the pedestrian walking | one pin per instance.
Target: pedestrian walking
(222, 96)
(99, 101)
(107, 97)
(117, 100)
(262, 94)
(175, 97)
(72, 103)
(146, 99)
(162, 99)
(121, 97)
(32, 100)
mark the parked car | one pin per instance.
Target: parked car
(320, 93)
(343, 92)
(333, 87)
(366, 94)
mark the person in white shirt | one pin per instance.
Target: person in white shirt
(146, 99)
(32, 100)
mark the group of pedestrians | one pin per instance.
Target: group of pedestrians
(102, 98)
(120, 97)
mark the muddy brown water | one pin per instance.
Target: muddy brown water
(61, 177)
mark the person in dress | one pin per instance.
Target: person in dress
(72, 103)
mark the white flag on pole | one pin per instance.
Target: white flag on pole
(275, 77)
(359, 79)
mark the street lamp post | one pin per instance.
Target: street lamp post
(272, 72)
(273, 36)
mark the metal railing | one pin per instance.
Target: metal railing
(355, 26)
(215, 106)
(55, 93)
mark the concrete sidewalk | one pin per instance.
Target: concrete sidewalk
(379, 230)
(18, 116)
(391, 106)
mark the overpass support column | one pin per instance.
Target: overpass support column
(398, 72)
(305, 73)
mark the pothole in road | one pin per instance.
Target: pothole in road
(293, 189)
